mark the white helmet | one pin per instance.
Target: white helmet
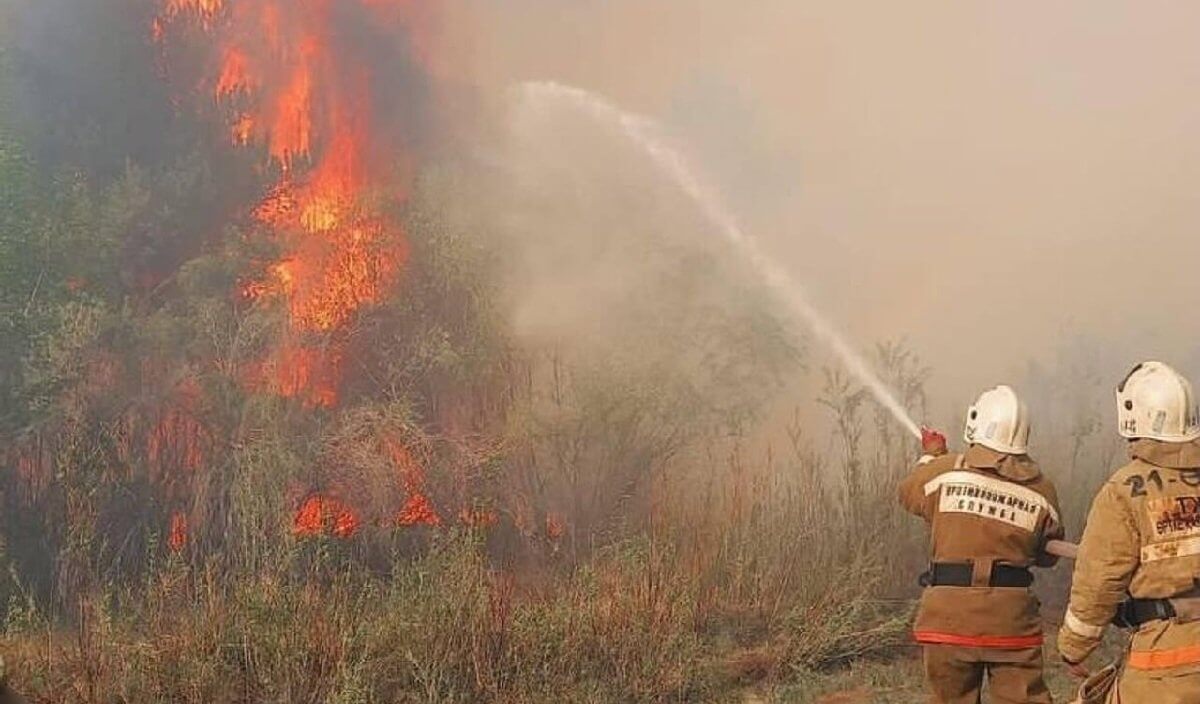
(998, 420)
(1155, 401)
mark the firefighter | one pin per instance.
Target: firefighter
(990, 512)
(1140, 556)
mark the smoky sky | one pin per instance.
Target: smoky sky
(85, 82)
(992, 182)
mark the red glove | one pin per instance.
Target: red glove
(933, 442)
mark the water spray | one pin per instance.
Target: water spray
(647, 135)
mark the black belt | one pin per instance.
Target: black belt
(1134, 612)
(960, 574)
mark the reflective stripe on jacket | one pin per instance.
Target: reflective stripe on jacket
(1142, 539)
(983, 508)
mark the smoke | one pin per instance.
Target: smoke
(620, 265)
(674, 166)
(986, 182)
(88, 95)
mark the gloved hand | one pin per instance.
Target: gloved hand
(933, 442)
(1076, 669)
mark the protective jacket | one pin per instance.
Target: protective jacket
(1142, 540)
(993, 513)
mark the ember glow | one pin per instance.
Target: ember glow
(324, 515)
(177, 539)
(308, 373)
(417, 509)
(177, 441)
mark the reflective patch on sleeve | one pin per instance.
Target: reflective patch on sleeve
(990, 497)
(1081, 628)
(1183, 547)
(926, 459)
(1174, 517)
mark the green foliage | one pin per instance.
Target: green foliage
(18, 222)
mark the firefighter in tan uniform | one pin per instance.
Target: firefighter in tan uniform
(1140, 556)
(990, 511)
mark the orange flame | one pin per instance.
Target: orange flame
(319, 514)
(235, 75)
(478, 517)
(178, 538)
(295, 88)
(418, 509)
(556, 526)
(291, 84)
(177, 440)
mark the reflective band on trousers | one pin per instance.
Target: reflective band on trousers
(1163, 659)
(998, 642)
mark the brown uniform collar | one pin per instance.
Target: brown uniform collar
(1172, 455)
(1018, 468)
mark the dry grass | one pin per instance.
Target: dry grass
(766, 577)
(700, 567)
(707, 598)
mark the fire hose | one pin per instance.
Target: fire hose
(934, 442)
(1098, 686)
(1062, 548)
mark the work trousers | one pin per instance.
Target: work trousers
(1158, 687)
(955, 675)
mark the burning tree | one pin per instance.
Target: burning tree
(266, 327)
(305, 85)
(221, 346)
(295, 80)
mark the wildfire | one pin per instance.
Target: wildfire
(294, 79)
(178, 538)
(319, 515)
(478, 517)
(293, 84)
(556, 526)
(417, 510)
(306, 373)
(177, 441)
(235, 76)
